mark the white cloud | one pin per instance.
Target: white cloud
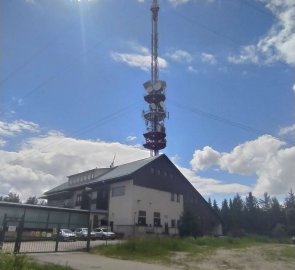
(16, 127)
(30, 1)
(293, 88)
(267, 158)
(208, 58)
(133, 60)
(249, 157)
(178, 2)
(287, 130)
(202, 159)
(181, 56)
(209, 186)
(2, 143)
(131, 138)
(279, 43)
(192, 69)
(247, 54)
(43, 162)
(140, 59)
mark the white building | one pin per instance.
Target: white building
(145, 196)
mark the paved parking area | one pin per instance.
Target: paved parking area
(86, 261)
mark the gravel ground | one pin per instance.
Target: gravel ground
(86, 261)
(262, 257)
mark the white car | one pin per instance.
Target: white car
(67, 235)
(103, 233)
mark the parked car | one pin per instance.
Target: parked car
(82, 233)
(103, 233)
(67, 235)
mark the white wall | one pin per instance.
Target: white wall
(120, 207)
(123, 210)
(152, 200)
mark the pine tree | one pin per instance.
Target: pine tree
(252, 217)
(12, 197)
(215, 207)
(290, 200)
(225, 215)
(32, 200)
(209, 202)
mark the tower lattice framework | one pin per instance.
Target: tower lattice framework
(155, 134)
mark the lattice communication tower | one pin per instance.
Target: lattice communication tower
(155, 134)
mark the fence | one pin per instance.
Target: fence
(27, 228)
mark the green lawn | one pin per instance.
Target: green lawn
(22, 262)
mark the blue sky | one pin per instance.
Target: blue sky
(72, 96)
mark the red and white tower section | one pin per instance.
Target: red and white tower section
(155, 135)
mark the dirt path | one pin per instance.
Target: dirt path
(87, 261)
(264, 257)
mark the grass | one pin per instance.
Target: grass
(281, 253)
(22, 262)
(164, 248)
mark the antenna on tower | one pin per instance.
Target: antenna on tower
(155, 135)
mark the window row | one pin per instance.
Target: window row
(81, 178)
(160, 172)
(142, 218)
(157, 220)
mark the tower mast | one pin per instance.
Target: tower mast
(155, 135)
(154, 61)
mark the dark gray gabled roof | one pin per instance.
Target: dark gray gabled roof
(108, 174)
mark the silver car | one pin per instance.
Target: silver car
(82, 233)
(67, 235)
(103, 233)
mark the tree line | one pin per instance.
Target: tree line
(266, 216)
(14, 198)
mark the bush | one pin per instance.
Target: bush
(22, 262)
(279, 231)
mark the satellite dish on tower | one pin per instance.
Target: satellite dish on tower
(162, 104)
(148, 86)
(158, 85)
(153, 106)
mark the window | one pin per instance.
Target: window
(158, 172)
(157, 219)
(94, 195)
(172, 223)
(171, 175)
(141, 217)
(118, 191)
(178, 197)
(78, 199)
(165, 173)
(172, 197)
(152, 170)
